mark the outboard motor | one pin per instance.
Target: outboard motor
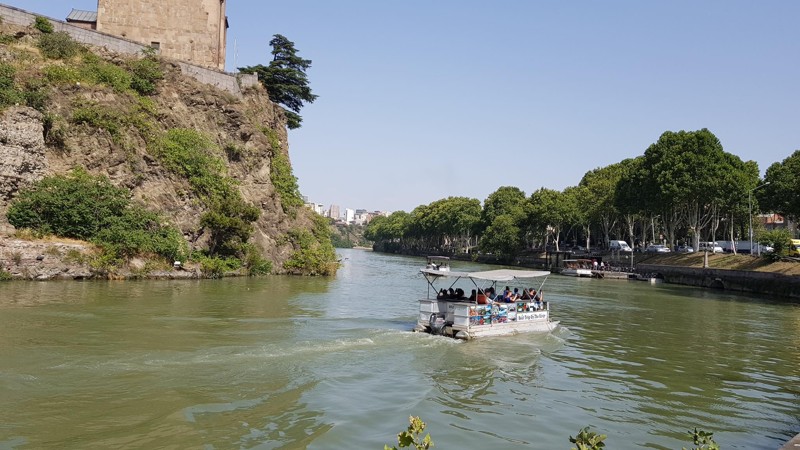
(437, 323)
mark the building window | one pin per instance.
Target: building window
(156, 45)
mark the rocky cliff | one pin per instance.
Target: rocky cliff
(248, 133)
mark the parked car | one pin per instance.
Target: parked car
(619, 246)
(712, 247)
(685, 249)
(657, 248)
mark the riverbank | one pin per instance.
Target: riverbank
(722, 261)
(67, 259)
(742, 273)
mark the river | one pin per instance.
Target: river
(293, 363)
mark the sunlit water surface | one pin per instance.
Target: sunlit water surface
(292, 363)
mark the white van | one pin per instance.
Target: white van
(712, 247)
(619, 246)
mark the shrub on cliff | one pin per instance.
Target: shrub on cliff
(81, 206)
(281, 175)
(229, 217)
(138, 231)
(75, 205)
(146, 72)
(58, 45)
(314, 253)
(43, 25)
(9, 95)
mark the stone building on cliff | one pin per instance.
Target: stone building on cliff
(194, 31)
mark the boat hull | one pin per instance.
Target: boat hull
(587, 273)
(463, 320)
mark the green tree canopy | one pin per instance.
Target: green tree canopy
(551, 210)
(782, 194)
(597, 199)
(508, 200)
(285, 79)
(502, 237)
(682, 179)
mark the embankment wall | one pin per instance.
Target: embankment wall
(735, 280)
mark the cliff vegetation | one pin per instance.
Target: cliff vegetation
(116, 166)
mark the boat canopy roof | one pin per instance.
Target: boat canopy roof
(490, 275)
(438, 258)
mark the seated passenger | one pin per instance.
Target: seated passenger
(481, 298)
(442, 295)
(526, 294)
(460, 294)
(451, 294)
(473, 296)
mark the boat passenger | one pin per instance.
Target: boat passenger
(451, 294)
(481, 298)
(460, 294)
(442, 295)
(526, 294)
(473, 296)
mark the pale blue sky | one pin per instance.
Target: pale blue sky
(420, 100)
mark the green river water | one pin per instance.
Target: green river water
(293, 363)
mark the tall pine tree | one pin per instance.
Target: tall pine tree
(285, 79)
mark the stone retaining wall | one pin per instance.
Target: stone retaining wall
(735, 280)
(233, 83)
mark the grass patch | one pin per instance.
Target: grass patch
(281, 175)
(99, 117)
(727, 261)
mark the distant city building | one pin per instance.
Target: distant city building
(351, 216)
(361, 218)
(333, 212)
(318, 208)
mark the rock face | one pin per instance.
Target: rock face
(247, 132)
(42, 260)
(22, 150)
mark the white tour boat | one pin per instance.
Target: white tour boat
(441, 263)
(467, 319)
(577, 268)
